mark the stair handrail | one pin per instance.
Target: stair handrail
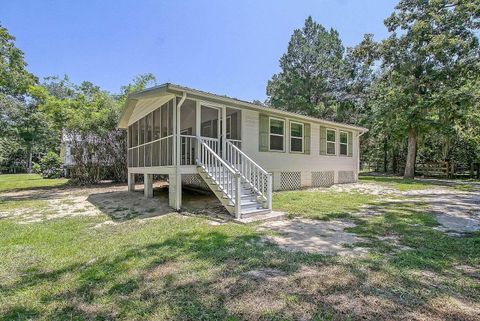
(245, 170)
(228, 181)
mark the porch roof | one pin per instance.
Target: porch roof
(169, 89)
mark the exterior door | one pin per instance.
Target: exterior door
(210, 127)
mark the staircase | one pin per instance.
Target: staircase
(241, 185)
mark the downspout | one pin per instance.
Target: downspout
(178, 180)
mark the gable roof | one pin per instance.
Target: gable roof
(172, 89)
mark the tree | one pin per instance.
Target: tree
(427, 60)
(313, 73)
(22, 126)
(88, 116)
(14, 78)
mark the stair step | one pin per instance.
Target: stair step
(262, 217)
(253, 212)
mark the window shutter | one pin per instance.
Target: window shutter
(350, 143)
(306, 140)
(263, 131)
(323, 140)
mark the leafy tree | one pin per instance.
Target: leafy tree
(313, 73)
(23, 127)
(49, 166)
(426, 63)
(14, 78)
(88, 117)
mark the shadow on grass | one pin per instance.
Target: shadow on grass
(206, 274)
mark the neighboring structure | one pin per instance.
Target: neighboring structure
(179, 132)
(66, 152)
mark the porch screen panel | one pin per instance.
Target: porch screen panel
(156, 124)
(141, 125)
(156, 153)
(141, 156)
(148, 125)
(129, 136)
(135, 157)
(170, 117)
(164, 120)
(135, 134)
(148, 155)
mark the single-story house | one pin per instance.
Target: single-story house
(240, 150)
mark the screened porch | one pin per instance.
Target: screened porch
(152, 139)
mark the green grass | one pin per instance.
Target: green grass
(320, 205)
(183, 268)
(11, 182)
(397, 182)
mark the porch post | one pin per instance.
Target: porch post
(131, 182)
(224, 131)
(148, 185)
(175, 191)
(198, 124)
(175, 179)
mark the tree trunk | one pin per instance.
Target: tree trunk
(412, 153)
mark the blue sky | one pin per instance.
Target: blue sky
(225, 47)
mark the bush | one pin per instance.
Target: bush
(50, 166)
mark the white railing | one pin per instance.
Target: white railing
(236, 142)
(187, 149)
(227, 179)
(258, 178)
(213, 143)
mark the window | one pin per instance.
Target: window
(296, 137)
(343, 143)
(277, 134)
(331, 138)
(156, 124)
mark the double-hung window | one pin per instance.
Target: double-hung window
(296, 137)
(277, 134)
(331, 139)
(343, 143)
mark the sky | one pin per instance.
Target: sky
(222, 46)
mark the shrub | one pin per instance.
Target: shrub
(49, 166)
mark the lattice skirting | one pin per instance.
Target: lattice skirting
(323, 179)
(194, 180)
(346, 177)
(290, 180)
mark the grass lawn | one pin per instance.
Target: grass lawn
(184, 268)
(10, 182)
(397, 182)
(320, 205)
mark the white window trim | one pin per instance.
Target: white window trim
(269, 134)
(329, 141)
(340, 143)
(297, 137)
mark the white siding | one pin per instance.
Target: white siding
(278, 162)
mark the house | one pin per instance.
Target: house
(241, 151)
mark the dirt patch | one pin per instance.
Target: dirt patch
(113, 200)
(312, 236)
